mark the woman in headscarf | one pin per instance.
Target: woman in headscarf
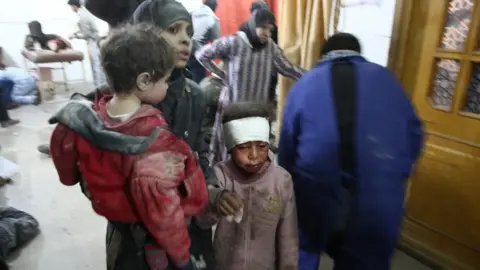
(250, 58)
(45, 41)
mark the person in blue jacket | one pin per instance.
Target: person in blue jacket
(349, 138)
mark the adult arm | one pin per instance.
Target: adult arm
(86, 28)
(220, 48)
(202, 147)
(214, 31)
(284, 66)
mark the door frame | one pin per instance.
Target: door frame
(405, 50)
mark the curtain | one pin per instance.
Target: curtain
(303, 28)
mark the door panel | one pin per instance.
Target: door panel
(444, 203)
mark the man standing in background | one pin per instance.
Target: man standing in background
(88, 31)
(206, 27)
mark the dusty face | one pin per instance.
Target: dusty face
(264, 32)
(179, 35)
(250, 156)
(152, 92)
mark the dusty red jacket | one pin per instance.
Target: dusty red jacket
(154, 179)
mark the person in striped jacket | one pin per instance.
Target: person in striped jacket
(250, 57)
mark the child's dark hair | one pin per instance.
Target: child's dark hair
(131, 50)
(247, 109)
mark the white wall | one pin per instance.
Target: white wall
(372, 24)
(56, 17)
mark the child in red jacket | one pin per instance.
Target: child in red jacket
(158, 188)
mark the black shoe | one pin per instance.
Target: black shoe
(9, 123)
(44, 149)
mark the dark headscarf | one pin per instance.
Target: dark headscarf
(341, 41)
(259, 4)
(162, 13)
(212, 4)
(36, 32)
(258, 18)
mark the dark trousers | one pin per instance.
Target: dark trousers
(3, 111)
(197, 70)
(6, 87)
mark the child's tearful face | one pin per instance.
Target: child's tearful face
(250, 156)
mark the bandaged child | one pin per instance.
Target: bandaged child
(262, 232)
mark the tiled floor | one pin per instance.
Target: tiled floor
(72, 235)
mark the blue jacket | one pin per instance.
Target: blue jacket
(388, 139)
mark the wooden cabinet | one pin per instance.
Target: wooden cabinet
(443, 210)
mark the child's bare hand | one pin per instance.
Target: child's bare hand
(229, 203)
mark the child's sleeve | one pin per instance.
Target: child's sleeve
(64, 155)
(220, 48)
(211, 216)
(154, 190)
(196, 197)
(287, 232)
(285, 67)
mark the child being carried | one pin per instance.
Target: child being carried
(132, 168)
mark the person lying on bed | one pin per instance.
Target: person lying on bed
(49, 42)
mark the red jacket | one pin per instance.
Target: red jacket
(154, 179)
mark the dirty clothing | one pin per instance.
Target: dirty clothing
(184, 110)
(266, 238)
(166, 172)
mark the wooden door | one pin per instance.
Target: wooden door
(443, 210)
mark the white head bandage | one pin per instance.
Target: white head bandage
(244, 130)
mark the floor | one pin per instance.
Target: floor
(72, 235)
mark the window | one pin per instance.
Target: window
(456, 83)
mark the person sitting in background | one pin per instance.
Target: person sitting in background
(20, 85)
(39, 40)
